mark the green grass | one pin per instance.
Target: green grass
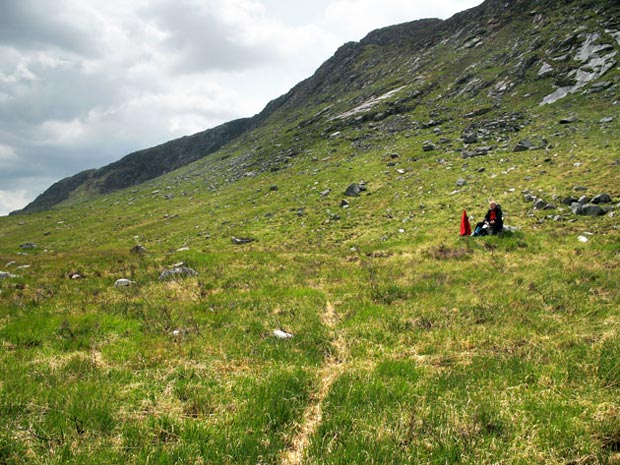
(416, 345)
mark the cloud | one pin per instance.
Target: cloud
(35, 25)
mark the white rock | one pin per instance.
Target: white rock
(123, 282)
(183, 249)
(582, 239)
(280, 334)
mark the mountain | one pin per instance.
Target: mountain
(489, 52)
(301, 294)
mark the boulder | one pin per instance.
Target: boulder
(354, 190)
(428, 146)
(590, 209)
(177, 272)
(569, 120)
(540, 204)
(523, 145)
(601, 198)
(469, 137)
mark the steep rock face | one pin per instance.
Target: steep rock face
(143, 165)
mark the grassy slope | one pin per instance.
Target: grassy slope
(417, 345)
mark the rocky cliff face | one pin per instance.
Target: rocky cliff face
(490, 59)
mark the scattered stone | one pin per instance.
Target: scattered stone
(461, 182)
(588, 209)
(582, 239)
(11, 263)
(123, 282)
(344, 204)
(601, 198)
(28, 245)
(583, 199)
(137, 250)
(22, 267)
(428, 146)
(241, 240)
(273, 188)
(5, 275)
(300, 212)
(75, 276)
(177, 272)
(569, 120)
(540, 204)
(469, 137)
(523, 145)
(580, 188)
(607, 119)
(183, 249)
(354, 190)
(325, 193)
(569, 200)
(281, 334)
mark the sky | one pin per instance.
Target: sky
(85, 82)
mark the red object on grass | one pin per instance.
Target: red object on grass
(465, 227)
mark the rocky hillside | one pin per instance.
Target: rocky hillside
(471, 83)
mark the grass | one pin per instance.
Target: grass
(411, 344)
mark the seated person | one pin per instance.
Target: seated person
(493, 221)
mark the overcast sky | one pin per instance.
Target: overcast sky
(85, 82)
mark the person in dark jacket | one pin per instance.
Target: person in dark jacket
(493, 221)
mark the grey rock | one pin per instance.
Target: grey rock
(601, 198)
(592, 210)
(569, 200)
(529, 198)
(607, 119)
(540, 204)
(544, 70)
(177, 272)
(576, 208)
(428, 146)
(28, 245)
(583, 199)
(469, 137)
(344, 204)
(461, 182)
(325, 193)
(123, 282)
(241, 240)
(550, 206)
(5, 275)
(273, 188)
(354, 190)
(569, 120)
(580, 188)
(523, 145)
